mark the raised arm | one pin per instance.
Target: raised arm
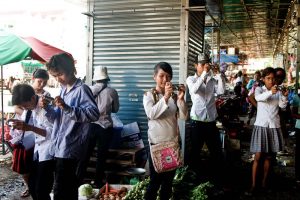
(153, 111)
(85, 109)
(194, 83)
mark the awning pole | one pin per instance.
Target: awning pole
(2, 113)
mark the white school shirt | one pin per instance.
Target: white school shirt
(42, 144)
(203, 95)
(267, 107)
(29, 139)
(162, 119)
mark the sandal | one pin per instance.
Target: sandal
(24, 194)
(250, 192)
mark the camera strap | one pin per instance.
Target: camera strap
(27, 118)
(96, 95)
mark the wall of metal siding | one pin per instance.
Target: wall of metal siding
(130, 37)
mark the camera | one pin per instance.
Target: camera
(176, 87)
(10, 123)
(49, 100)
(281, 88)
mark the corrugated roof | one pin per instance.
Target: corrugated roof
(254, 26)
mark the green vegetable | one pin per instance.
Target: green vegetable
(86, 190)
(183, 183)
(138, 190)
(200, 191)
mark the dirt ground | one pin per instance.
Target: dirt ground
(11, 183)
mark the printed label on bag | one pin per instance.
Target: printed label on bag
(168, 159)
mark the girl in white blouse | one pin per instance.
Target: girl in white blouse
(162, 111)
(267, 136)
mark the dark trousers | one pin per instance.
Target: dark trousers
(297, 154)
(65, 182)
(41, 180)
(163, 180)
(102, 138)
(206, 132)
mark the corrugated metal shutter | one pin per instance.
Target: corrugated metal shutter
(196, 38)
(130, 37)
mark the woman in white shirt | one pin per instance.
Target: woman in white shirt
(267, 135)
(162, 111)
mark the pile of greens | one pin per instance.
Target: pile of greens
(184, 187)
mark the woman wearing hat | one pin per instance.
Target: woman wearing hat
(107, 100)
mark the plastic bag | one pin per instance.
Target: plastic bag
(117, 123)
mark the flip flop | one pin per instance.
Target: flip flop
(26, 193)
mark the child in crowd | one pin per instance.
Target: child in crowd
(267, 135)
(41, 175)
(71, 112)
(28, 141)
(40, 78)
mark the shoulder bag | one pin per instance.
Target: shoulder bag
(22, 158)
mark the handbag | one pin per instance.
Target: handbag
(22, 158)
(166, 156)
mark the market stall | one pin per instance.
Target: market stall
(13, 49)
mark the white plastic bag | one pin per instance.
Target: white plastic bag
(117, 123)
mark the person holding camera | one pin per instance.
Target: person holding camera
(163, 108)
(41, 174)
(266, 139)
(15, 136)
(202, 88)
(71, 113)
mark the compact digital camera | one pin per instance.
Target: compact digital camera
(176, 87)
(281, 88)
(49, 100)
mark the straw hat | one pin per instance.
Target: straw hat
(100, 73)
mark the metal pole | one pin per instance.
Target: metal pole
(298, 49)
(286, 60)
(218, 46)
(212, 45)
(2, 113)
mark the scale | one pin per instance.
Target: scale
(137, 173)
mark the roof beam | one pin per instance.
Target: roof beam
(251, 24)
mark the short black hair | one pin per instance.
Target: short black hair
(257, 72)
(41, 73)
(61, 62)
(267, 71)
(166, 67)
(22, 93)
(283, 73)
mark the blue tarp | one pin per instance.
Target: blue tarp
(227, 58)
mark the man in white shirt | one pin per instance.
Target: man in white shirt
(202, 88)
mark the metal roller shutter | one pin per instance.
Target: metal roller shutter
(130, 37)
